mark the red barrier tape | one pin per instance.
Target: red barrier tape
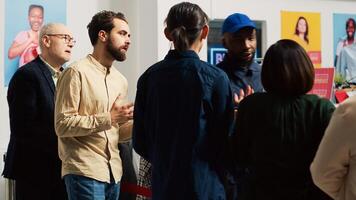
(135, 189)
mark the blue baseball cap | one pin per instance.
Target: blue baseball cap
(236, 22)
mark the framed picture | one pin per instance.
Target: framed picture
(304, 28)
(23, 21)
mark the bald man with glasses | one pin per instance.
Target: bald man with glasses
(67, 38)
(32, 156)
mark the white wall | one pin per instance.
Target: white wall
(130, 68)
(146, 20)
(269, 10)
(163, 9)
(4, 120)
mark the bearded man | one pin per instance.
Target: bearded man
(90, 117)
(239, 38)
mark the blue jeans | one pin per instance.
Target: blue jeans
(84, 188)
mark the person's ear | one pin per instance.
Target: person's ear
(46, 41)
(167, 34)
(223, 41)
(102, 36)
(204, 32)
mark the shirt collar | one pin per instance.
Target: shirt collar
(101, 67)
(54, 71)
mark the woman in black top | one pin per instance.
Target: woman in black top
(278, 132)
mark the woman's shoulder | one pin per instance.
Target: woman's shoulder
(312, 102)
(316, 98)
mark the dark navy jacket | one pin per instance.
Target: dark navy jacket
(183, 113)
(32, 153)
(240, 76)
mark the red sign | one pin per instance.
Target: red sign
(315, 56)
(323, 83)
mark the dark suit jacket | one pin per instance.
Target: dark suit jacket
(32, 151)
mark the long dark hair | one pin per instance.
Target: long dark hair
(184, 23)
(287, 69)
(296, 32)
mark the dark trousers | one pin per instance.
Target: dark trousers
(47, 189)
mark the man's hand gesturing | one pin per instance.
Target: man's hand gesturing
(121, 112)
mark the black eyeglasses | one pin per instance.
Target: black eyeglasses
(66, 37)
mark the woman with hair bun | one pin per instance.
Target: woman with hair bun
(183, 113)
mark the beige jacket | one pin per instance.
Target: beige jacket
(88, 144)
(334, 166)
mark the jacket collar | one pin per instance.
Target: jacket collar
(173, 54)
(46, 72)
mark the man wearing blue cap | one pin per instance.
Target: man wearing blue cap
(239, 38)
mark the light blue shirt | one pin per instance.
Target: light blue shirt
(346, 64)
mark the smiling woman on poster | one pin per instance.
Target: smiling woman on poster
(304, 28)
(346, 40)
(301, 32)
(25, 43)
(22, 21)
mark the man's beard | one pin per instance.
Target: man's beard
(240, 61)
(250, 61)
(115, 52)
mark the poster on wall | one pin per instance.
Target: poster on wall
(323, 82)
(23, 20)
(304, 28)
(345, 47)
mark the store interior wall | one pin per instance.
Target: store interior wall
(146, 20)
